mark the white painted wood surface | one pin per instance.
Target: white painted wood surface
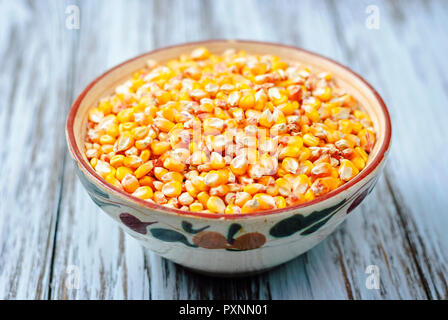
(50, 231)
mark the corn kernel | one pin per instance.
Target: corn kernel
(310, 141)
(215, 204)
(144, 192)
(130, 183)
(143, 170)
(117, 161)
(172, 189)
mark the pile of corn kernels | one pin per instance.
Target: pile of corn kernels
(230, 133)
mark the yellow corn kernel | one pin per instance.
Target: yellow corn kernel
(324, 94)
(305, 154)
(368, 139)
(214, 178)
(272, 190)
(203, 198)
(172, 189)
(280, 202)
(266, 119)
(220, 191)
(345, 126)
(266, 201)
(241, 198)
(333, 136)
(232, 209)
(359, 163)
(198, 183)
(163, 124)
(122, 172)
(247, 101)
(124, 142)
(284, 186)
(360, 115)
(132, 162)
(290, 164)
(95, 115)
(287, 108)
(198, 158)
(185, 199)
(191, 188)
(144, 155)
(107, 148)
(159, 172)
(200, 53)
(289, 151)
(173, 164)
(107, 139)
(125, 115)
(139, 133)
(217, 161)
(254, 188)
(143, 170)
(93, 162)
(105, 106)
(160, 198)
(356, 127)
(331, 182)
(144, 192)
(216, 204)
(250, 206)
(321, 169)
(117, 161)
(310, 140)
(172, 176)
(103, 168)
(364, 156)
(160, 147)
(347, 170)
(113, 181)
(196, 206)
(239, 165)
(168, 112)
(309, 195)
(130, 183)
(113, 130)
(213, 125)
(127, 126)
(162, 97)
(146, 181)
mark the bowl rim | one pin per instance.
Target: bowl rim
(76, 153)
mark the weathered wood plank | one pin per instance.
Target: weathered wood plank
(35, 87)
(400, 228)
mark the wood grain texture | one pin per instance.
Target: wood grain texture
(51, 231)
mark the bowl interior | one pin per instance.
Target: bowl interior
(364, 93)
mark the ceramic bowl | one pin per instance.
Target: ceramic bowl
(230, 244)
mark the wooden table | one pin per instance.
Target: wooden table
(56, 244)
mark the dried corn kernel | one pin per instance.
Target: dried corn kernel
(130, 183)
(172, 189)
(144, 169)
(216, 204)
(144, 192)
